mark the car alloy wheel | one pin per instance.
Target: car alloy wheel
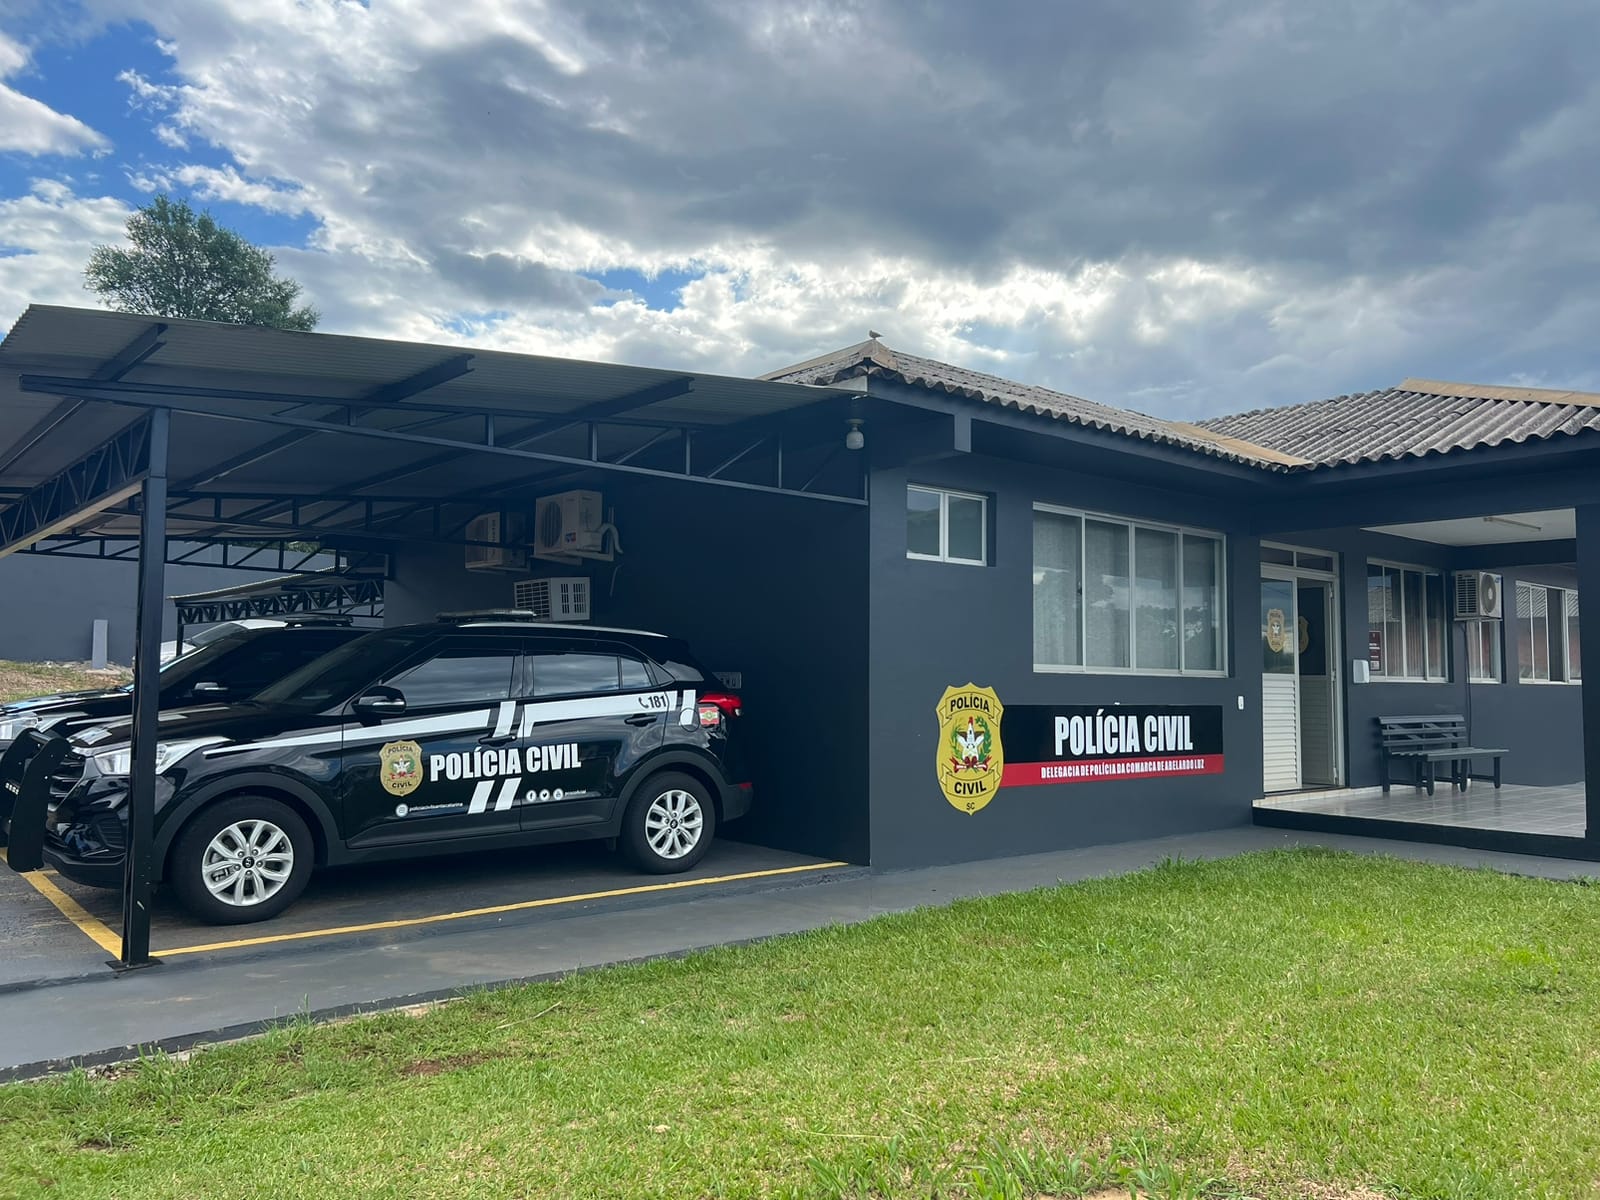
(673, 824)
(241, 859)
(669, 823)
(247, 863)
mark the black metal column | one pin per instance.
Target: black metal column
(136, 883)
(1588, 555)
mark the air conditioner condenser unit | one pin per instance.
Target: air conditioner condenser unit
(1478, 596)
(572, 525)
(505, 529)
(559, 599)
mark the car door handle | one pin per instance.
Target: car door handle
(642, 719)
(505, 739)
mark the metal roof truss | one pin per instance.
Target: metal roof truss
(310, 596)
(104, 477)
(202, 510)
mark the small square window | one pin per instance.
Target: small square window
(946, 526)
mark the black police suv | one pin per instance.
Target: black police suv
(232, 666)
(468, 734)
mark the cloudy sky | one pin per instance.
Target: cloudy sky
(1184, 208)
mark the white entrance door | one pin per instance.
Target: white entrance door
(1280, 686)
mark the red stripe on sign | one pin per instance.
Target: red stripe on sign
(1089, 770)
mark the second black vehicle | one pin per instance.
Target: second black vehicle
(463, 735)
(232, 665)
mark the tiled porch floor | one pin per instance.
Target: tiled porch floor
(1515, 808)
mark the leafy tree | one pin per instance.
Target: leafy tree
(183, 264)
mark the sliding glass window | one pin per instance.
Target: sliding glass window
(1547, 634)
(1483, 650)
(1407, 622)
(1115, 595)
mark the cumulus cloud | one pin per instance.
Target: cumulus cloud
(225, 183)
(45, 237)
(29, 127)
(1184, 208)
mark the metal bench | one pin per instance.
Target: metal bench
(1430, 740)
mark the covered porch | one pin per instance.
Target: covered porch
(1437, 538)
(1470, 618)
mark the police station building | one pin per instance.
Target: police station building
(1192, 626)
(969, 618)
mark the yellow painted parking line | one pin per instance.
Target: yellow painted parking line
(91, 926)
(518, 906)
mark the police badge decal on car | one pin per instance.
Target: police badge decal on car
(401, 767)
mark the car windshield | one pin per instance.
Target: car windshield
(341, 674)
(191, 666)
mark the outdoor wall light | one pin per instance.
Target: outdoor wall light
(855, 439)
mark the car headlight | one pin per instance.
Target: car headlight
(120, 761)
(11, 727)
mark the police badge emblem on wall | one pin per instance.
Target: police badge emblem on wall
(400, 767)
(971, 761)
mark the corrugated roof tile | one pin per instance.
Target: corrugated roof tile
(873, 358)
(1413, 420)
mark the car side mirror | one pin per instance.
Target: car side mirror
(378, 702)
(209, 689)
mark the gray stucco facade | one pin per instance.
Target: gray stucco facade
(935, 625)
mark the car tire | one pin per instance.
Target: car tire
(665, 809)
(260, 885)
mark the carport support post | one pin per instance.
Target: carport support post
(1588, 554)
(146, 701)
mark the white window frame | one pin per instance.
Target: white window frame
(1471, 630)
(945, 495)
(1566, 635)
(1444, 633)
(1131, 525)
(1560, 607)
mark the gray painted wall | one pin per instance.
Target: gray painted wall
(428, 580)
(48, 604)
(775, 588)
(935, 625)
(769, 586)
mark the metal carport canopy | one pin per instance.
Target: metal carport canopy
(119, 426)
(265, 415)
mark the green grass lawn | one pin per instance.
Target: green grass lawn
(1290, 1024)
(20, 680)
